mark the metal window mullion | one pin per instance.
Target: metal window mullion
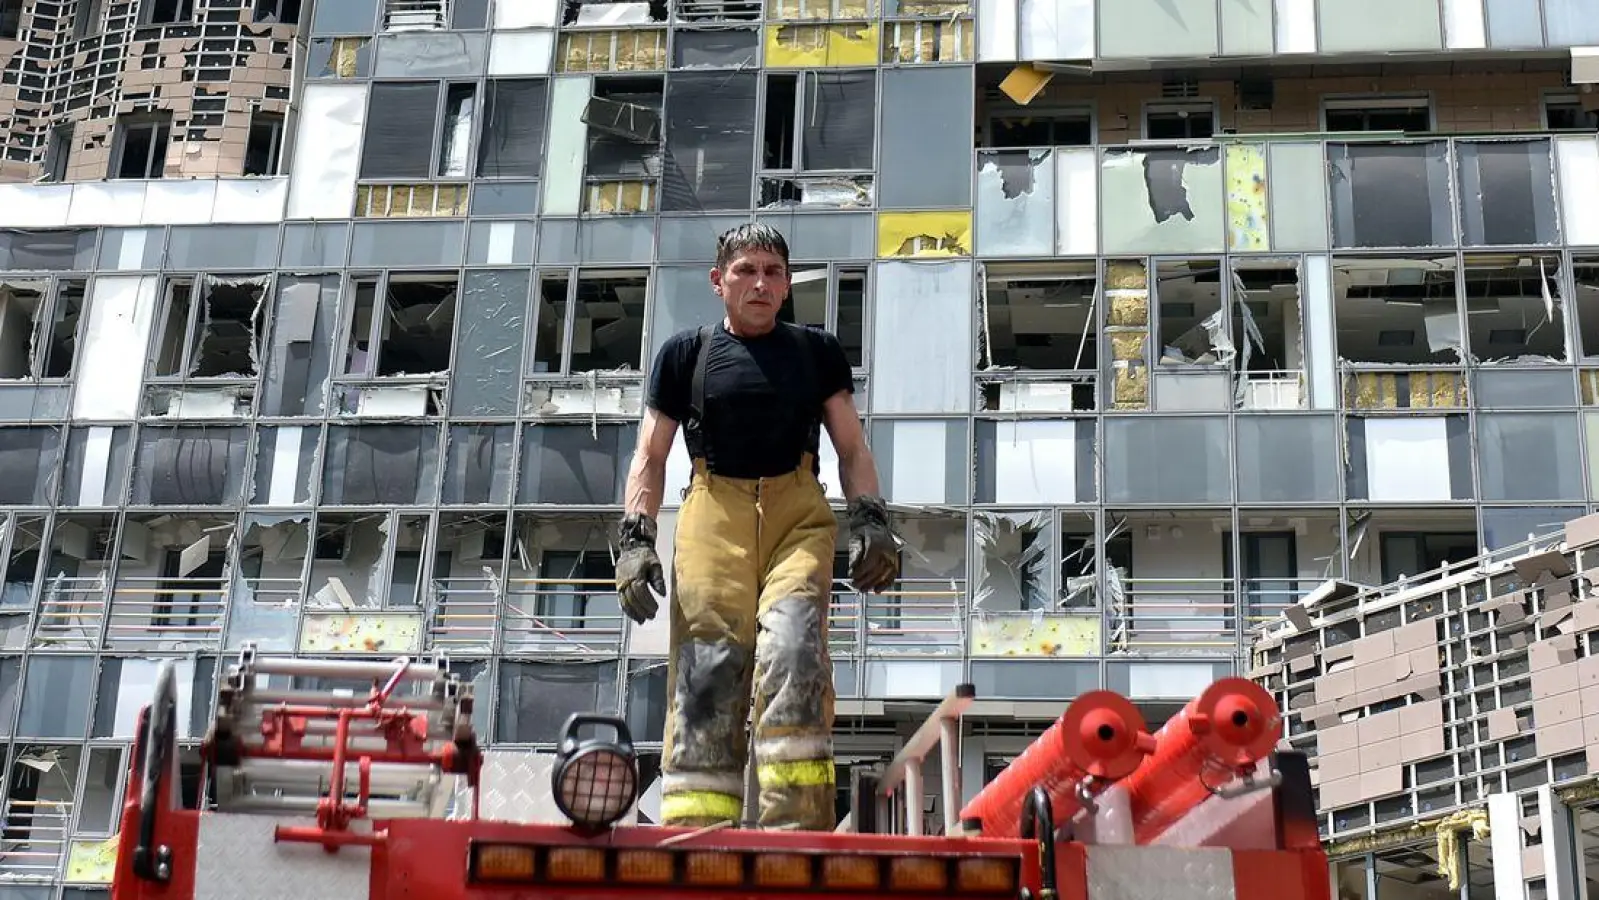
(374, 338)
(569, 317)
(192, 332)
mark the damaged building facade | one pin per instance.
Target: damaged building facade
(1163, 314)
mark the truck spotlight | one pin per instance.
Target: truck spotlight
(595, 781)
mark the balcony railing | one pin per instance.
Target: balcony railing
(462, 613)
(916, 617)
(71, 613)
(150, 613)
(552, 616)
(34, 839)
(1160, 616)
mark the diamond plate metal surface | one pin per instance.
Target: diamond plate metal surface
(515, 788)
(238, 860)
(1160, 873)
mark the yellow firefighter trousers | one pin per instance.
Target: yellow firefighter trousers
(752, 571)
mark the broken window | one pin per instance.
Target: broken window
(1397, 311)
(1040, 316)
(1167, 200)
(263, 149)
(1411, 114)
(710, 141)
(536, 698)
(1194, 329)
(190, 466)
(58, 152)
(817, 122)
(26, 535)
(276, 12)
(72, 584)
(391, 465)
(170, 589)
(266, 587)
(624, 143)
(589, 321)
(139, 149)
(411, 335)
(1268, 322)
(1042, 127)
(215, 334)
(40, 795)
(1391, 195)
(468, 580)
(39, 328)
(304, 334)
(1509, 188)
(1514, 310)
(560, 596)
(1572, 112)
(99, 809)
(415, 15)
(399, 114)
(1180, 121)
(28, 458)
(168, 12)
(1013, 553)
(512, 142)
(832, 298)
(1015, 209)
(612, 13)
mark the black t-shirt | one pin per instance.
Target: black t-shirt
(760, 415)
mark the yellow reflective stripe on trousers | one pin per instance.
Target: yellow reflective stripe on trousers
(798, 773)
(701, 805)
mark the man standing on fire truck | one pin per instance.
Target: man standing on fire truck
(753, 552)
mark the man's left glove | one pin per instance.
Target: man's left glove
(873, 552)
(638, 569)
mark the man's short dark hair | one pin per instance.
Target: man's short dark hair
(747, 237)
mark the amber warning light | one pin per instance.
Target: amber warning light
(712, 871)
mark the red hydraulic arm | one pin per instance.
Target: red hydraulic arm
(1100, 738)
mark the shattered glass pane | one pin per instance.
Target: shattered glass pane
(28, 459)
(486, 376)
(1391, 195)
(1528, 457)
(1397, 311)
(1013, 562)
(1015, 203)
(1513, 186)
(1163, 201)
(1515, 312)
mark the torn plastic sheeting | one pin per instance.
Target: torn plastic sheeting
(1012, 573)
(937, 234)
(811, 46)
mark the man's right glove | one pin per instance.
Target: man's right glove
(873, 552)
(639, 569)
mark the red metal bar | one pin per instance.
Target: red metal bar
(1218, 736)
(1100, 736)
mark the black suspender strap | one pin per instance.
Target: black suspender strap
(696, 390)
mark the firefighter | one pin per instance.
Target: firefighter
(752, 564)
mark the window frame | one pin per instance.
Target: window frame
(1205, 105)
(806, 83)
(50, 302)
(156, 121)
(574, 275)
(1367, 103)
(441, 102)
(347, 330)
(197, 281)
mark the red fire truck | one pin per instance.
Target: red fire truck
(336, 796)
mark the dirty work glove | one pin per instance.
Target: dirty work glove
(873, 552)
(638, 569)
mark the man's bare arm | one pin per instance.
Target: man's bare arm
(646, 477)
(856, 466)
